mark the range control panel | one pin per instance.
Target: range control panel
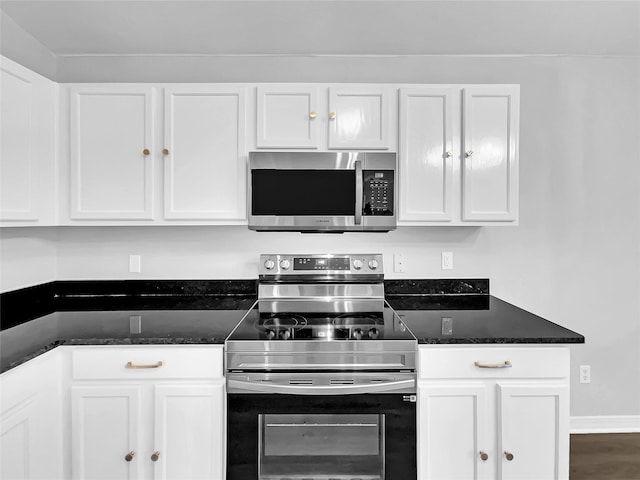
(339, 264)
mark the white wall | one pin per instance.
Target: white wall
(28, 256)
(574, 259)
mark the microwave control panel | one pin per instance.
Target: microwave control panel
(377, 190)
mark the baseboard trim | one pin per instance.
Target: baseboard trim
(605, 424)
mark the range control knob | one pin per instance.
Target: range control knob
(357, 334)
(269, 264)
(357, 264)
(373, 264)
(373, 333)
(270, 333)
(285, 264)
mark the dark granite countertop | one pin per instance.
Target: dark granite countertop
(195, 312)
(474, 319)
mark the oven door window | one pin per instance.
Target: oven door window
(336, 446)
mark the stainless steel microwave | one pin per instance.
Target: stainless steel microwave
(322, 191)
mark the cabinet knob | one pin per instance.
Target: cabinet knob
(508, 456)
(449, 154)
(484, 456)
(165, 151)
(154, 456)
(146, 152)
(468, 153)
(332, 115)
(129, 456)
(313, 114)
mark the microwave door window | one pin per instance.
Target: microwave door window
(303, 192)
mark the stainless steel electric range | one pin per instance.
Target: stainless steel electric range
(321, 377)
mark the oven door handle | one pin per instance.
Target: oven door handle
(397, 386)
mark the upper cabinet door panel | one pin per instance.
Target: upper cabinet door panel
(16, 167)
(287, 117)
(425, 154)
(111, 153)
(359, 118)
(490, 163)
(205, 165)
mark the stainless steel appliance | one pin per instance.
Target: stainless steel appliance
(321, 377)
(322, 191)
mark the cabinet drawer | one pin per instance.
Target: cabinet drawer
(135, 363)
(525, 362)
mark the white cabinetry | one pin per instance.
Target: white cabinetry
(30, 421)
(27, 146)
(147, 413)
(204, 153)
(112, 168)
(114, 171)
(458, 155)
(494, 420)
(311, 116)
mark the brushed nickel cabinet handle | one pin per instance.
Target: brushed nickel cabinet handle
(449, 154)
(484, 456)
(332, 115)
(313, 114)
(129, 456)
(508, 456)
(154, 456)
(146, 152)
(151, 365)
(468, 153)
(165, 151)
(505, 364)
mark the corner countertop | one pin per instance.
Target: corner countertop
(41, 318)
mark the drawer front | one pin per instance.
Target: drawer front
(493, 362)
(135, 363)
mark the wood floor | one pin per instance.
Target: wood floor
(611, 456)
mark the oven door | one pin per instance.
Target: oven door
(320, 437)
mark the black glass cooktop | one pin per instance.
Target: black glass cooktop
(321, 326)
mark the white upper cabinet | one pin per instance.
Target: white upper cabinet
(112, 153)
(359, 118)
(458, 155)
(310, 116)
(490, 164)
(204, 153)
(287, 117)
(425, 154)
(27, 146)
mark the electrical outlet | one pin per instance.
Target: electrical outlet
(585, 373)
(135, 264)
(447, 260)
(399, 263)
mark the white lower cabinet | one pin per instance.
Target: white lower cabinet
(506, 419)
(134, 420)
(30, 421)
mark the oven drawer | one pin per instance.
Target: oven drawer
(493, 362)
(147, 362)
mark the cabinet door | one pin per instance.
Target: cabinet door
(111, 153)
(16, 441)
(451, 432)
(425, 159)
(287, 117)
(105, 427)
(358, 118)
(189, 432)
(27, 149)
(490, 168)
(204, 153)
(533, 432)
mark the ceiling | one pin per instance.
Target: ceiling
(328, 27)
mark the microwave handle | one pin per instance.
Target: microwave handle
(359, 192)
